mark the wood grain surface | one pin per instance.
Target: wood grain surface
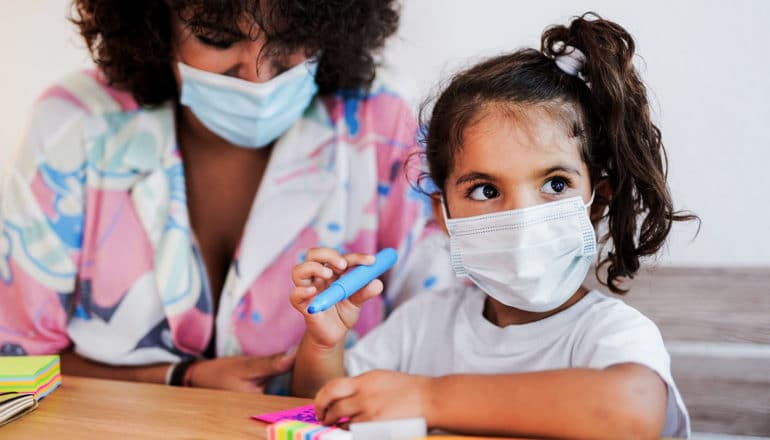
(85, 409)
(716, 323)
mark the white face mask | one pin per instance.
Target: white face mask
(532, 259)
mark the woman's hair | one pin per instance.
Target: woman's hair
(130, 40)
(605, 107)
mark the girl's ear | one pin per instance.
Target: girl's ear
(601, 200)
(438, 212)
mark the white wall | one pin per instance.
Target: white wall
(705, 61)
(38, 45)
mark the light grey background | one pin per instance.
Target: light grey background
(706, 63)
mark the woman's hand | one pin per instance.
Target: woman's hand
(239, 373)
(323, 266)
(376, 395)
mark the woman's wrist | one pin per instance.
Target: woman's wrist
(187, 381)
(180, 374)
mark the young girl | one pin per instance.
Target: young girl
(531, 152)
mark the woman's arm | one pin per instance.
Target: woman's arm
(626, 400)
(74, 365)
(236, 373)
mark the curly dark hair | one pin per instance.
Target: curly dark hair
(611, 117)
(130, 41)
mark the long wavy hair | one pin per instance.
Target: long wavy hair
(130, 41)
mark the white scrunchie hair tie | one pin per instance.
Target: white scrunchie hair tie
(571, 59)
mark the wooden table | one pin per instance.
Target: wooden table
(83, 409)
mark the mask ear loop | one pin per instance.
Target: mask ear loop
(443, 209)
(591, 200)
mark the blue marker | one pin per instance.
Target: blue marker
(353, 281)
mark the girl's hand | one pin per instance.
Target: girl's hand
(239, 373)
(323, 266)
(376, 395)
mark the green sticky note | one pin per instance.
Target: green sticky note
(25, 366)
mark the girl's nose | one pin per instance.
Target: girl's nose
(520, 199)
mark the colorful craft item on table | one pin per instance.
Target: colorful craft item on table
(305, 413)
(38, 375)
(295, 430)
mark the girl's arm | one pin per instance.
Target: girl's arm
(315, 366)
(320, 353)
(625, 400)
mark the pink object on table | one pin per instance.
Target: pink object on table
(304, 413)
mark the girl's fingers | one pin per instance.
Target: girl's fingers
(301, 296)
(304, 274)
(320, 284)
(355, 259)
(333, 390)
(369, 291)
(329, 257)
(345, 408)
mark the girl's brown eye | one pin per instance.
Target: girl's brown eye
(556, 185)
(483, 192)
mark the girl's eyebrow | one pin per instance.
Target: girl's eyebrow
(563, 168)
(473, 176)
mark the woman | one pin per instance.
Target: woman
(149, 226)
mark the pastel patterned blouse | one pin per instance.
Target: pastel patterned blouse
(97, 253)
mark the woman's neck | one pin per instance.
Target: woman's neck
(501, 315)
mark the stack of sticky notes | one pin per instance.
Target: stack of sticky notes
(15, 405)
(38, 375)
(294, 430)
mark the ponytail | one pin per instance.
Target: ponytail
(625, 146)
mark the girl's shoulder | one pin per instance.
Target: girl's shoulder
(602, 309)
(608, 327)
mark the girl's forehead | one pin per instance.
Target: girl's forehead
(521, 131)
(517, 144)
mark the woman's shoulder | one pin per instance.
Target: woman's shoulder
(383, 108)
(76, 110)
(88, 92)
(78, 107)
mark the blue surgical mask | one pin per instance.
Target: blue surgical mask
(251, 115)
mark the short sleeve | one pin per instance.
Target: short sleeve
(620, 334)
(41, 222)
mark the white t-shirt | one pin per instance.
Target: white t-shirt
(441, 333)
